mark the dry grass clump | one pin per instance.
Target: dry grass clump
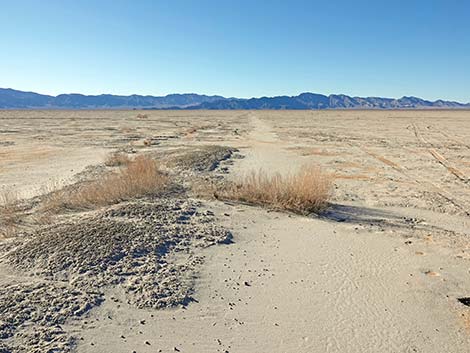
(139, 177)
(10, 213)
(117, 159)
(303, 192)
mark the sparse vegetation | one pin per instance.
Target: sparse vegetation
(303, 192)
(138, 177)
(9, 213)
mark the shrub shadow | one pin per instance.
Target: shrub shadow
(367, 216)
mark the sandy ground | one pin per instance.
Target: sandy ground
(380, 271)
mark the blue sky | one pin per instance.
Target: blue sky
(237, 48)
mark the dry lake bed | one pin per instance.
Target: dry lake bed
(385, 268)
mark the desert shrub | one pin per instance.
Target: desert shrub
(10, 213)
(139, 177)
(303, 192)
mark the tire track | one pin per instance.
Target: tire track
(439, 157)
(426, 184)
(452, 138)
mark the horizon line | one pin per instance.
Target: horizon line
(243, 98)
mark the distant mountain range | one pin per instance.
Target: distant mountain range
(14, 99)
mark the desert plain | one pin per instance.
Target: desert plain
(384, 268)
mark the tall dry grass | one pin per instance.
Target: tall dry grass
(303, 192)
(138, 177)
(10, 212)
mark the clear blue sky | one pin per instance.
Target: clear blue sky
(237, 48)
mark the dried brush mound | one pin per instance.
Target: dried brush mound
(139, 177)
(10, 213)
(306, 191)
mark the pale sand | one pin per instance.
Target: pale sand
(380, 272)
(313, 286)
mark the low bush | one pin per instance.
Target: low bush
(138, 177)
(303, 192)
(10, 213)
